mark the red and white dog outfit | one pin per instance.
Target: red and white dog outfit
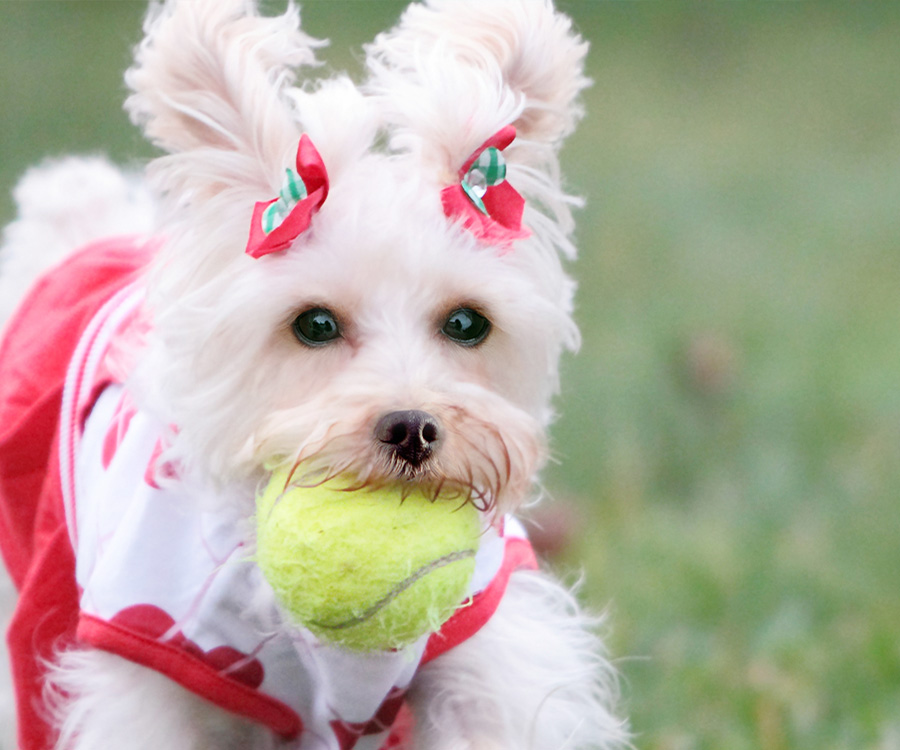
(103, 556)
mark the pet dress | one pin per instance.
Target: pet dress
(105, 554)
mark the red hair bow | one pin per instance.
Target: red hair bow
(278, 222)
(483, 201)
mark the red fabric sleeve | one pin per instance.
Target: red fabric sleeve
(192, 673)
(34, 354)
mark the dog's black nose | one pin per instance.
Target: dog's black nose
(411, 435)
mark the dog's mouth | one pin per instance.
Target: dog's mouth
(420, 471)
(427, 478)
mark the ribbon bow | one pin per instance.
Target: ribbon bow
(278, 222)
(483, 201)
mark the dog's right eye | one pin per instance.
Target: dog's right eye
(466, 327)
(316, 327)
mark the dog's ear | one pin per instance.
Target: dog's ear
(207, 88)
(456, 71)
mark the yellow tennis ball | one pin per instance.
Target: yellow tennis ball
(367, 569)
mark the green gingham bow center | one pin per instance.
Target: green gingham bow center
(487, 170)
(292, 192)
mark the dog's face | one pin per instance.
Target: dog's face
(388, 340)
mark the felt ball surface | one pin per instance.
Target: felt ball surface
(368, 569)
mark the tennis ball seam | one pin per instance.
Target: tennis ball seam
(397, 590)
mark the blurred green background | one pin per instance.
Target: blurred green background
(729, 436)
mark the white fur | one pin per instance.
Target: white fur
(533, 677)
(61, 205)
(106, 703)
(213, 86)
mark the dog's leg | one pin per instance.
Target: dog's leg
(103, 702)
(532, 679)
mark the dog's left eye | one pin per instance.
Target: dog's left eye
(466, 327)
(316, 327)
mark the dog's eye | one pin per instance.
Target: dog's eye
(316, 327)
(466, 327)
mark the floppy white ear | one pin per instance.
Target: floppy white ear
(459, 70)
(207, 85)
(455, 72)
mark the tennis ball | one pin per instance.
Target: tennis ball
(367, 569)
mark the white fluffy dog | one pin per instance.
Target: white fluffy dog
(350, 279)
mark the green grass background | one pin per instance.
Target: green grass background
(729, 433)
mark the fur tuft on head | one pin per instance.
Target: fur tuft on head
(208, 85)
(531, 58)
(454, 72)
